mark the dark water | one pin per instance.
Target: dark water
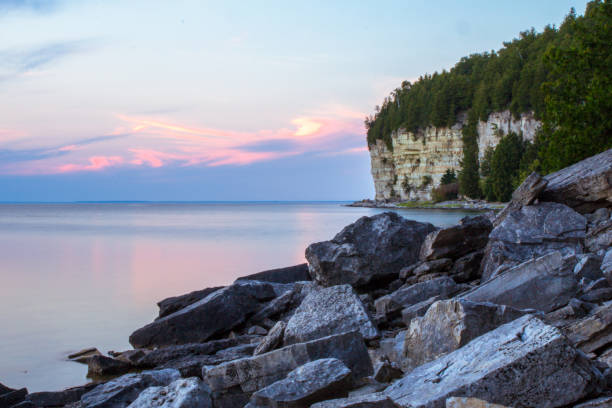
(80, 275)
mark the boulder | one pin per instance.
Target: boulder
(589, 267)
(12, 397)
(599, 238)
(545, 283)
(83, 356)
(273, 339)
(417, 309)
(313, 382)
(103, 365)
(332, 310)
(176, 303)
(373, 248)
(606, 265)
(525, 363)
(459, 402)
(191, 366)
(524, 195)
(409, 295)
(584, 186)
(59, 398)
(289, 274)
(593, 332)
(257, 331)
(385, 371)
(433, 266)
(375, 400)
(122, 391)
(214, 315)
(530, 232)
(467, 268)
(233, 382)
(183, 393)
(602, 402)
(449, 325)
(472, 234)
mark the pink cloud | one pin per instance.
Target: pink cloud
(96, 163)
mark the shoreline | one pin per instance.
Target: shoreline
(476, 206)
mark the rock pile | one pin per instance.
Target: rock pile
(498, 311)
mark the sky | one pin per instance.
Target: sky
(215, 101)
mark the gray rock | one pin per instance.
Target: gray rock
(584, 186)
(375, 400)
(433, 266)
(272, 340)
(599, 237)
(176, 303)
(598, 295)
(525, 363)
(603, 402)
(313, 382)
(588, 266)
(467, 268)
(233, 382)
(372, 248)
(83, 356)
(183, 393)
(13, 397)
(121, 391)
(409, 295)
(289, 274)
(385, 371)
(393, 348)
(593, 332)
(459, 402)
(257, 330)
(533, 231)
(417, 309)
(131, 357)
(606, 265)
(524, 195)
(472, 234)
(216, 314)
(102, 365)
(333, 310)
(574, 310)
(59, 398)
(545, 284)
(449, 325)
(4, 389)
(284, 305)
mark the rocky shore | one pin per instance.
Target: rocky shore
(474, 205)
(511, 309)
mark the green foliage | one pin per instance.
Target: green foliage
(578, 115)
(468, 176)
(445, 192)
(504, 168)
(449, 177)
(427, 180)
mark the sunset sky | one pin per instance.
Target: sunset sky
(197, 100)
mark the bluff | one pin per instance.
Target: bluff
(417, 161)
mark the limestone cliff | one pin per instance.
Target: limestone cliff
(417, 162)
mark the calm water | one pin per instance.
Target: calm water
(80, 275)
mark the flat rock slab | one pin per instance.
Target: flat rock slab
(372, 248)
(593, 332)
(525, 363)
(327, 311)
(183, 393)
(289, 274)
(471, 234)
(248, 375)
(375, 400)
(313, 382)
(176, 303)
(122, 391)
(217, 313)
(544, 284)
(458, 402)
(533, 231)
(449, 325)
(272, 340)
(584, 186)
(59, 398)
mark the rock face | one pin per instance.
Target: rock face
(545, 283)
(176, 303)
(449, 325)
(370, 249)
(530, 232)
(315, 381)
(584, 186)
(332, 310)
(398, 174)
(470, 235)
(183, 393)
(123, 390)
(525, 363)
(217, 313)
(289, 274)
(236, 380)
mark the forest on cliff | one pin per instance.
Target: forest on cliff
(563, 75)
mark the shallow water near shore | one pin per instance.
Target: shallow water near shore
(80, 275)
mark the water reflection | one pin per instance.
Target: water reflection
(79, 275)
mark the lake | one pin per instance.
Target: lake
(80, 275)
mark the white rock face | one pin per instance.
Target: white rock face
(418, 162)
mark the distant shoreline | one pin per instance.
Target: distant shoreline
(429, 205)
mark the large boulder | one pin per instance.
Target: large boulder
(372, 248)
(333, 310)
(216, 314)
(10, 397)
(288, 274)
(59, 398)
(409, 295)
(471, 234)
(183, 393)
(530, 232)
(524, 195)
(233, 382)
(313, 382)
(525, 363)
(449, 325)
(122, 391)
(584, 186)
(176, 303)
(545, 283)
